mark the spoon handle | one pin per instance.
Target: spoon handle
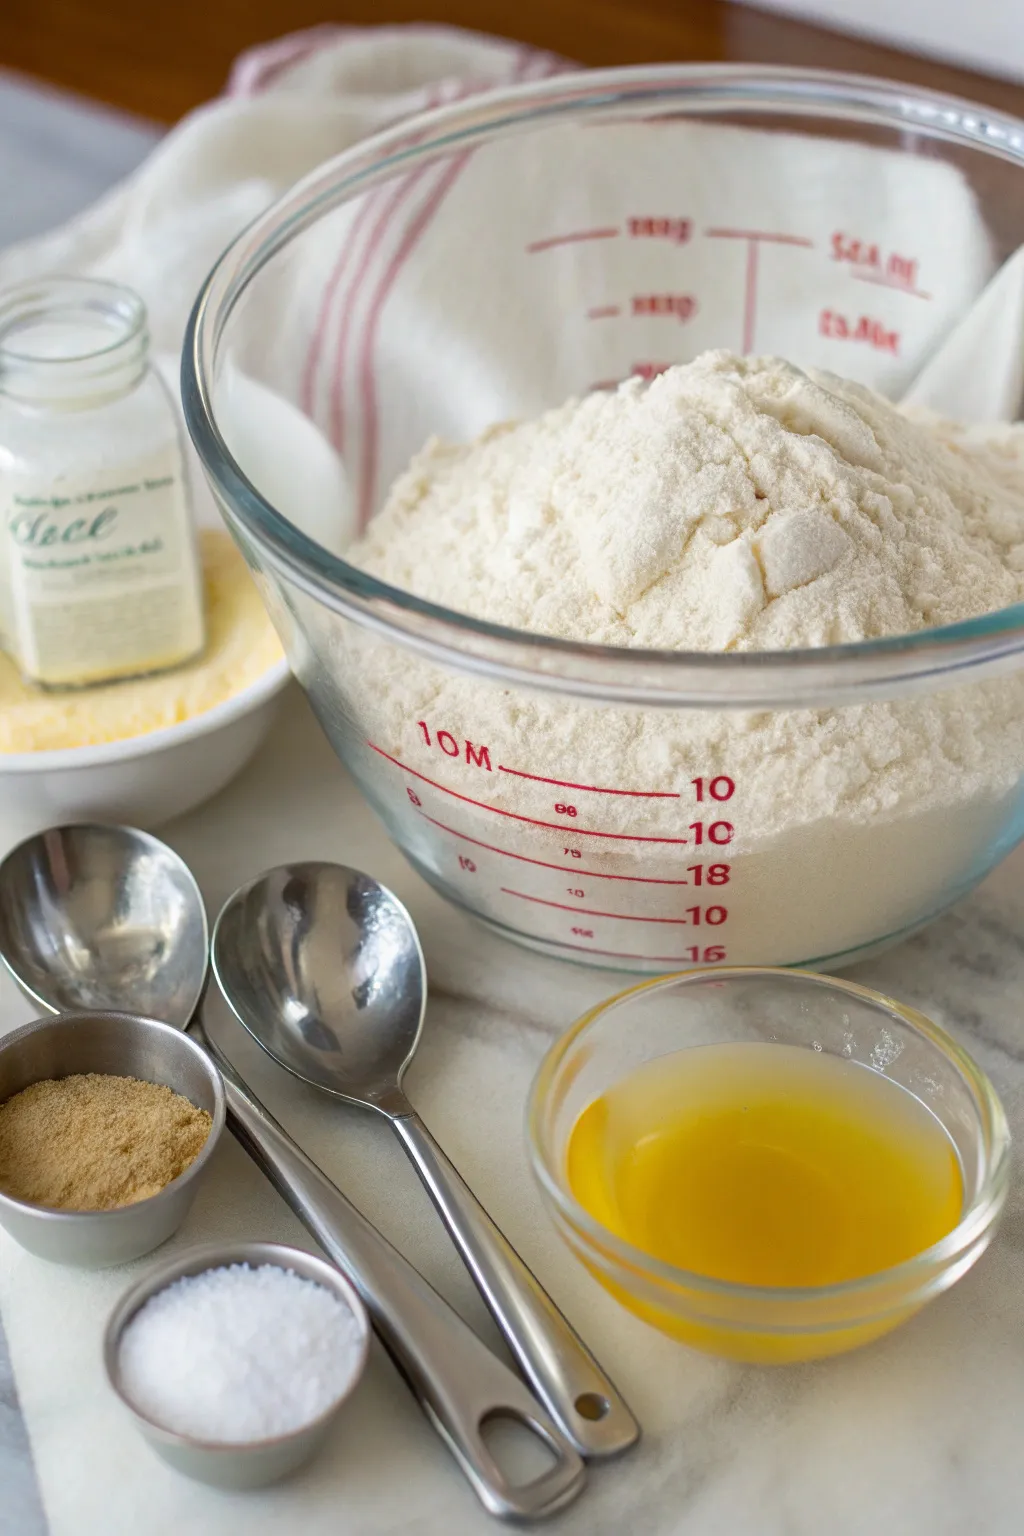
(552, 1357)
(458, 1382)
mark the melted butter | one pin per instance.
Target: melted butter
(766, 1165)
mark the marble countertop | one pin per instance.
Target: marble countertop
(915, 1434)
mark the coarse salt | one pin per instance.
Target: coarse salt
(239, 1354)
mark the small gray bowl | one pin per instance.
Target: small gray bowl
(252, 1463)
(126, 1045)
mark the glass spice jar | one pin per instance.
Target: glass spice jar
(99, 571)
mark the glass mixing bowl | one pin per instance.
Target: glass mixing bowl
(635, 809)
(795, 1008)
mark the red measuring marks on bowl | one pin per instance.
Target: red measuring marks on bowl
(660, 227)
(573, 237)
(755, 238)
(575, 895)
(673, 306)
(863, 328)
(675, 229)
(554, 826)
(676, 303)
(676, 306)
(672, 227)
(646, 370)
(714, 915)
(676, 841)
(870, 262)
(569, 853)
(593, 789)
(709, 954)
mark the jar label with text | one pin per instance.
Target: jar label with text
(102, 576)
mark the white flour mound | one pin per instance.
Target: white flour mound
(729, 504)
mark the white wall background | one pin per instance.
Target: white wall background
(977, 34)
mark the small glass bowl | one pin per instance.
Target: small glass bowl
(785, 1007)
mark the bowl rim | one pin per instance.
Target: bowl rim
(50, 286)
(103, 754)
(741, 680)
(135, 1021)
(197, 1260)
(977, 1219)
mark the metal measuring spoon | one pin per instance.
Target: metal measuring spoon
(97, 917)
(70, 899)
(323, 967)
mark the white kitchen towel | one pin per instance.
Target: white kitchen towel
(498, 282)
(287, 107)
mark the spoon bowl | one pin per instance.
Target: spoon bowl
(323, 967)
(96, 917)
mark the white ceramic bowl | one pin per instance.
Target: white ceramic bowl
(146, 780)
(142, 781)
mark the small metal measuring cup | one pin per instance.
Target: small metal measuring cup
(127, 1046)
(243, 1464)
